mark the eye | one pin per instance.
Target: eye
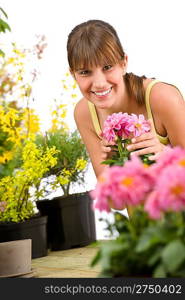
(107, 67)
(84, 72)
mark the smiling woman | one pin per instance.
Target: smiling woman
(154, 47)
(99, 64)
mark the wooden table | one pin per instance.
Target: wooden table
(73, 263)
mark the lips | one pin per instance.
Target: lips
(102, 93)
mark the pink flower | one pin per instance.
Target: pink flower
(152, 206)
(169, 192)
(122, 186)
(138, 125)
(102, 192)
(124, 126)
(168, 157)
(114, 125)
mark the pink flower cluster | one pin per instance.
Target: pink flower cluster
(159, 188)
(122, 186)
(169, 190)
(125, 126)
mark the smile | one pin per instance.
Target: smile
(103, 93)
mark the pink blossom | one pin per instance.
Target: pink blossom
(152, 206)
(102, 192)
(114, 126)
(169, 191)
(168, 157)
(124, 125)
(138, 125)
(122, 186)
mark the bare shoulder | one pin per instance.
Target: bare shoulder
(82, 114)
(165, 97)
(91, 140)
(168, 108)
(81, 108)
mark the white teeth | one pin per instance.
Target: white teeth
(103, 93)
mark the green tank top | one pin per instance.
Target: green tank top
(96, 123)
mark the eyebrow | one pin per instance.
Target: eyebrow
(78, 70)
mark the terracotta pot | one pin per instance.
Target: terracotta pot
(15, 258)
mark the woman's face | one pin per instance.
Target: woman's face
(102, 85)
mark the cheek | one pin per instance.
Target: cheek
(83, 84)
(116, 78)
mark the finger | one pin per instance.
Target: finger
(104, 142)
(144, 151)
(144, 144)
(144, 136)
(153, 157)
(104, 156)
(106, 149)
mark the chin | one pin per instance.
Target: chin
(103, 105)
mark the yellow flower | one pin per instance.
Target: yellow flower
(81, 164)
(65, 87)
(63, 180)
(74, 86)
(5, 157)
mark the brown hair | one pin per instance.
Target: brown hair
(95, 43)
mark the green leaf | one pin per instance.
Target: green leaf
(4, 26)
(96, 258)
(159, 272)
(108, 162)
(112, 249)
(4, 13)
(2, 53)
(150, 236)
(173, 255)
(155, 257)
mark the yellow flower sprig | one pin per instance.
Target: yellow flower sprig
(15, 189)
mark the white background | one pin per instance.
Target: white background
(152, 34)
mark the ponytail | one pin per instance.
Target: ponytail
(135, 87)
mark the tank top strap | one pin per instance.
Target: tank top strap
(147, 98)
(94, 117)
(162, 139)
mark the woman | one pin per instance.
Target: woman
(99, 65)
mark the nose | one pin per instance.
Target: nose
(99, 80)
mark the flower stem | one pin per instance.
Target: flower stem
(120, 147)
(122, 144)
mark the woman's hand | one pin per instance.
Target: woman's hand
(146, 143)
(106, 149)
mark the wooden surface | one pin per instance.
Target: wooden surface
(73, 263)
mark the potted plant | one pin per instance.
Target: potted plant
(71, 220)
(150, 243)
(22, 164)
(18, 217)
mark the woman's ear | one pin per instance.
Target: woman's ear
(125, 64)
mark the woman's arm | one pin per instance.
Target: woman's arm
(169, 105)
(168, 109)
(91, 140)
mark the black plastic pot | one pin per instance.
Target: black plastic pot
(71, 221)
(34, 229)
